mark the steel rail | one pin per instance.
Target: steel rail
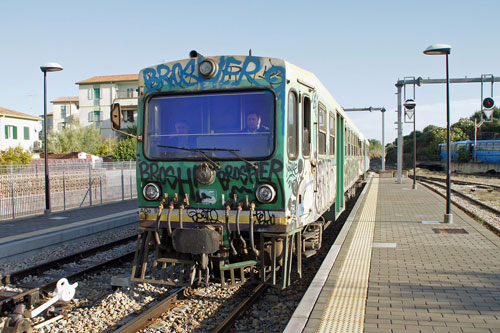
(465, 196)
(153, 312)
(458, 182)
(49, 286)
(230, 320)
(17, 276)
(491, 227)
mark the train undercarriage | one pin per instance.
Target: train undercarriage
(221, 252)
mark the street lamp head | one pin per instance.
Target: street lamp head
(51, 67)
(438, 49)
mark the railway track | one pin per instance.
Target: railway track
(245, 304)
(14, 301)
(457, 182)
(16, 278)
(145, 318)
(460, 194)
(494, 227)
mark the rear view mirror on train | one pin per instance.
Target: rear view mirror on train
(116, 119)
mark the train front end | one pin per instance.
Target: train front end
(210, 169)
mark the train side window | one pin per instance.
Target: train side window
(332, 134)
(306, 127)
(292, 126)
(346, 142)
(322, 130)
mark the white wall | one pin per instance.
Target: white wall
(34, 126)
(108, 96)
(72, 112)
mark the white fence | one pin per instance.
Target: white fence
(22, 188)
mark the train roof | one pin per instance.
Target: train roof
(291, 69)
(469, 141)
(312, 79)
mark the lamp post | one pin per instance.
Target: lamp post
(48, 67)
(440, 49)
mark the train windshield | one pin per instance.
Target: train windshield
(220, 125)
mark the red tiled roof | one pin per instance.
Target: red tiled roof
(16, 114)
(111, 78)
(65, 99)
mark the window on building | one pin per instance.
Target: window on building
(26, 133)
(292, 126)
(130, 92)
(63, 111)
(95, 116)
(11, 132)
(306, 126)
(128, 115)
(322, 129)
(332, 134)
(97, 93)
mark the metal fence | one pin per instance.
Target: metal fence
(72, 185)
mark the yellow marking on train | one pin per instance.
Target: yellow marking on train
(221, 219)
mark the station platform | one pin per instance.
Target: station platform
(20, 237)
(395, 267)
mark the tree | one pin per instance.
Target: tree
(375, 148)
(15, 156)
(456, 134)
(80, 139)
(466, 126)
(490, 129)
(125, 150)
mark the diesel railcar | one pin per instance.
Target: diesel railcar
(241, 160)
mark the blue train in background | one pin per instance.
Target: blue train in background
(485, 151)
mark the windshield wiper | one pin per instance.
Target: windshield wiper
(213, 163)
(233, 151)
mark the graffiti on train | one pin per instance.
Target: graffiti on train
(315, 186)
(231, 72)
(233, 180)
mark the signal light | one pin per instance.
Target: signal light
(488, 103)
(409, 104)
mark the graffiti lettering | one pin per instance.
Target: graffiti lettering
(231, 72)
(203, 215)
(235, 180)
(265, 217)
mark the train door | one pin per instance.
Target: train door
(309, 169)
(340, 159)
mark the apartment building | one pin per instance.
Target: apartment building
(19, 129)
(64, 112)
(97, 95)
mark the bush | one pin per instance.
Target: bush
(14, 156)
(126, 150)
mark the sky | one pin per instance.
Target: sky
(358, 49)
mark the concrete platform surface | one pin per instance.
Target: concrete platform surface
(23, 236)
(421, 276)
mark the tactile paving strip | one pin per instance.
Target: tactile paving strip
(345, 310)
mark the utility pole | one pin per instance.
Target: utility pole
(370, 109)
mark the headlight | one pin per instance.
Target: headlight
(151, 191)
(208, 68)
(265, 193)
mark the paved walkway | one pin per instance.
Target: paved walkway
(29, 234)
(422, 277)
